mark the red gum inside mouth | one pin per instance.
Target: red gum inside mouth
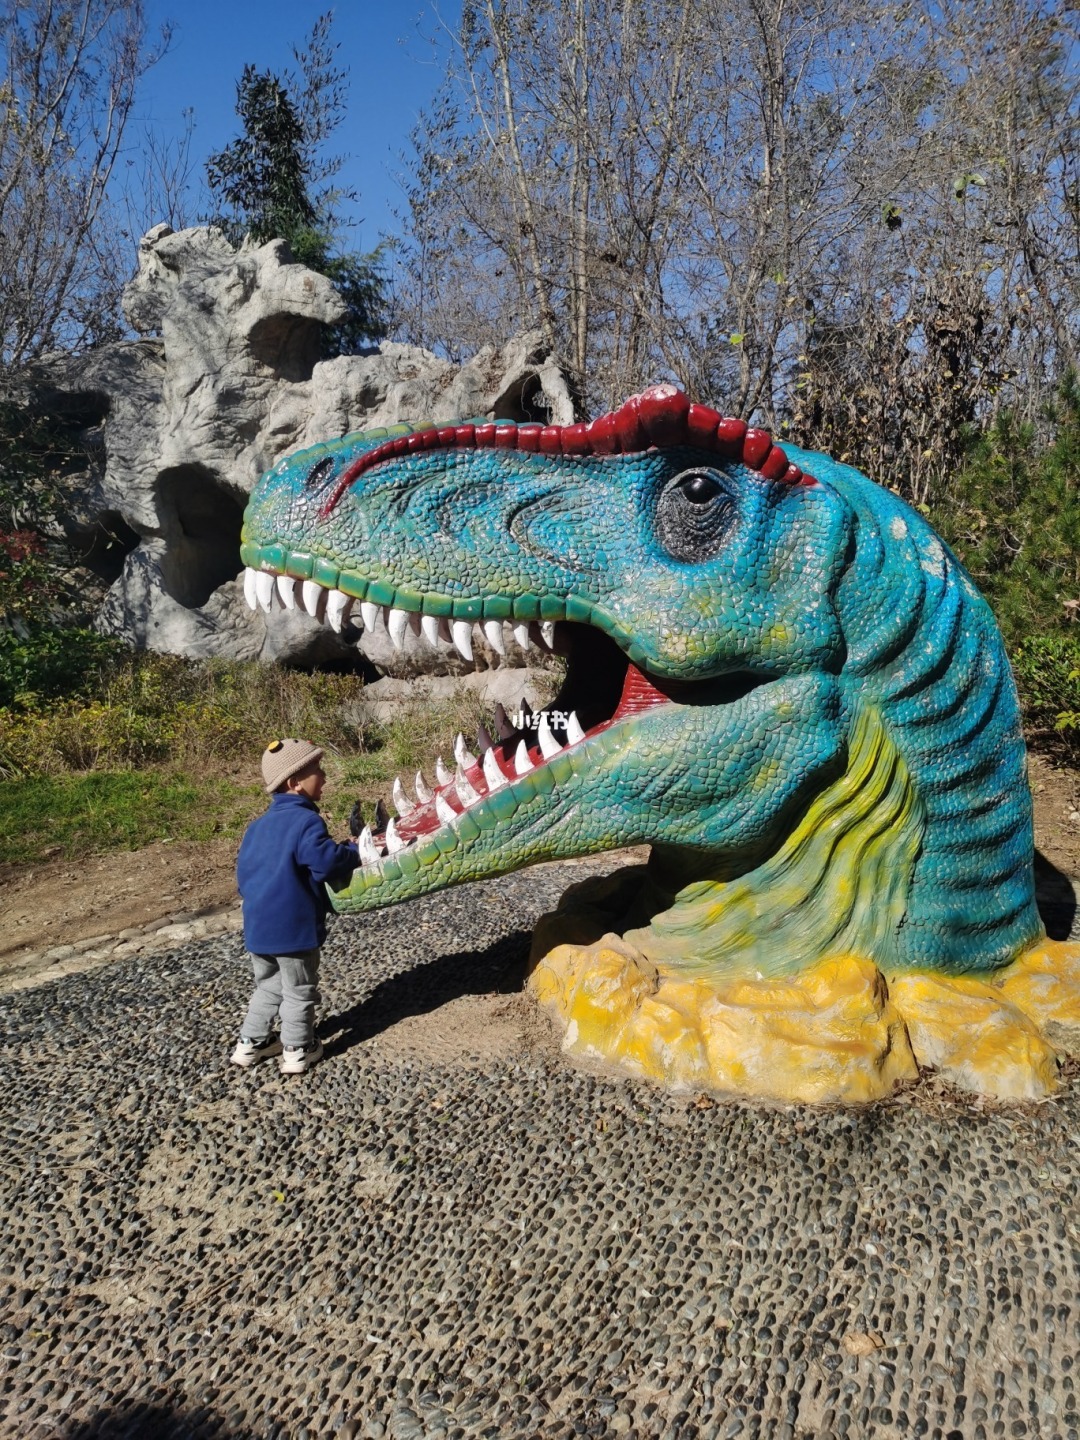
(638, 694)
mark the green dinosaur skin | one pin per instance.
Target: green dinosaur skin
(791, 636)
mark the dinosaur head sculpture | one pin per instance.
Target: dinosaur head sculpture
(777, 675)
(739, 632)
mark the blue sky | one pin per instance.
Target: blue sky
(393, 72)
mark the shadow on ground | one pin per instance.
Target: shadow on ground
(141, 1421)
(500, 968)
(1055, 893)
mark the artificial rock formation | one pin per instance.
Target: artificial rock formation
(226, 378)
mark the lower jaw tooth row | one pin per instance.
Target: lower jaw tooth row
(336, 608)
(467, 794)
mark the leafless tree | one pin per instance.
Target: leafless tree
(70, 68)
(967, 300)
(162, 183)
(854, 219)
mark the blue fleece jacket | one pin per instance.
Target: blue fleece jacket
(285, 858)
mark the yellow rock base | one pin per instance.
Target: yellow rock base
(835, 1032)
(967, 1030)
(1000, 1036)
(830, 1033)
(1045, 984)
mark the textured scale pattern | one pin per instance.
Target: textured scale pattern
(786, 682)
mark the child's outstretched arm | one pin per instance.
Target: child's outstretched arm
(326, 858)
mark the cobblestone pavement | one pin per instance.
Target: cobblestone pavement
(444, 1230)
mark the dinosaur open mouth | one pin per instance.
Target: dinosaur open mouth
(601, 688)
(530, 752)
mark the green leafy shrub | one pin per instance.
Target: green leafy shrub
(1013, 517)
(1047, 670)
(140, 709)
(145, 709)
(42, 662)
(160, 746)
(36, 454)
(26, 578)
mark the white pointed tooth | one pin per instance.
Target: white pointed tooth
(429, 624)
(264, 589)
(446, 815)
(494, 635)
(492, 773)
(442, 774)
(310, 596)
(461, 754)
(394, 842)
(547, 631)
(338, 605)
(466, 794)
(286, 589)
(250, 594)
(574, 732)
(549, 746)
(461, 631)
(401, 800)
(423, 792)
(369, 613)
(521, 635)
(366, 845)
(395, 624)
(522, 763)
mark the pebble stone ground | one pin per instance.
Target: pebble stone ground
(438, 1240)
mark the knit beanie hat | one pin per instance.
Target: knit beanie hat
(283, 758)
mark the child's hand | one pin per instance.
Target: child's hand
(356, 819)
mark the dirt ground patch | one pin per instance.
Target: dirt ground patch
(59, 902)
(1056, 792)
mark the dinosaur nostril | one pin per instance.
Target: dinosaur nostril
(320, 471)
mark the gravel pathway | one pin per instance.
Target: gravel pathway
(446, 1231)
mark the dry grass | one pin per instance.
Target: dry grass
(169, 747)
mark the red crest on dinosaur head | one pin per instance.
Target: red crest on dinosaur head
(661, 415)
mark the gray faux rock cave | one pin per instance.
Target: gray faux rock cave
(182, 422)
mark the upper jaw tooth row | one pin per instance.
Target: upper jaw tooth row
(261, 588)
(491, 777)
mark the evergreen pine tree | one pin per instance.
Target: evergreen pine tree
(263, 182)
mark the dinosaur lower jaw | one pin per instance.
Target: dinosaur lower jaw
(425, 846)
(591, 720)
(520, 783)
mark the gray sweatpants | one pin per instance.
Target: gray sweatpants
(289, 984)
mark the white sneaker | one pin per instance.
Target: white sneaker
(250, 1052)
(295, 1059)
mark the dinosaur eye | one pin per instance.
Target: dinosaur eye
(693, 515)
(700, 489)
(320, 471)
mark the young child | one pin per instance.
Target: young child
(285, 857)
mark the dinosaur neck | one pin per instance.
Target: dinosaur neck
(838, 885)
(928, 655)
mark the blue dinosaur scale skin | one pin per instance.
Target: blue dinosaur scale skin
(819, 608)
